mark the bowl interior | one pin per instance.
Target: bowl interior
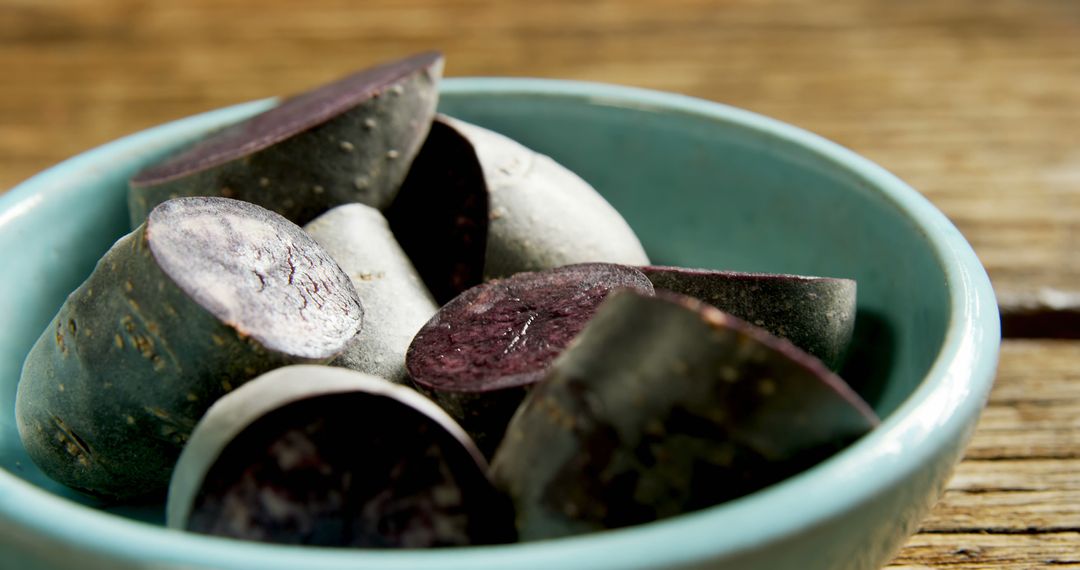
(701, 191)
(703, 186)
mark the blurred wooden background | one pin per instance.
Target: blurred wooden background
(976, 103)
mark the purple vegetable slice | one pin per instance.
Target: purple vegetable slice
(665, 405)
(480, 354)
(440, 216)
(324, 456)
(348, 141)
(205, 295)
(395, 300)
(817, 314)
(498, 208)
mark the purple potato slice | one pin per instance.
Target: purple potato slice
(665, 405)
(205, 295)
(817, 314)
(480, 354)
(349, 141)
(440, 216)
(501, 209)
(324, 456)
(395, 300)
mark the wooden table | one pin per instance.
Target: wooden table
(976, 103)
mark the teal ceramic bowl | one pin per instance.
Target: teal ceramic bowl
(704, 185)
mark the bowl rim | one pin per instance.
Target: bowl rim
(939, 413)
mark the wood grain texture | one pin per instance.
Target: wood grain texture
(976, 103)
(1014, 502)
(995, 552)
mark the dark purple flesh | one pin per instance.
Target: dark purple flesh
(440, 215)
(352, 470)
(482, 350)
(294, 115)
(817, 314)
(506, 332)
(665, 405)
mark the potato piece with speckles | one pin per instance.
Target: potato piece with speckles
(205, 295)
(482, 352)
(665, 405)
(503, 209)
(396, 303)
(817, 314)
(348, 141)
(330, 457)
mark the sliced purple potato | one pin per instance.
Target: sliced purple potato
(481, 206)
(323, 456)
(349, 141)
(817, 314)
(542, 215)
(396, 303)
(440, 216)
(665, 405)
(482, 352)
(205, 295)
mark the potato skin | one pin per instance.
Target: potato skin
(479, 206)
(348, 141)
(662, 406)
(817, 314)
(396, 302)
(113, 387)
(541, 214)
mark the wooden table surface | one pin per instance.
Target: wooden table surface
(976, 103)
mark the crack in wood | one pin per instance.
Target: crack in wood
(1046, 313)
(994, 490)
(1040, 457)
(1032, 531)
